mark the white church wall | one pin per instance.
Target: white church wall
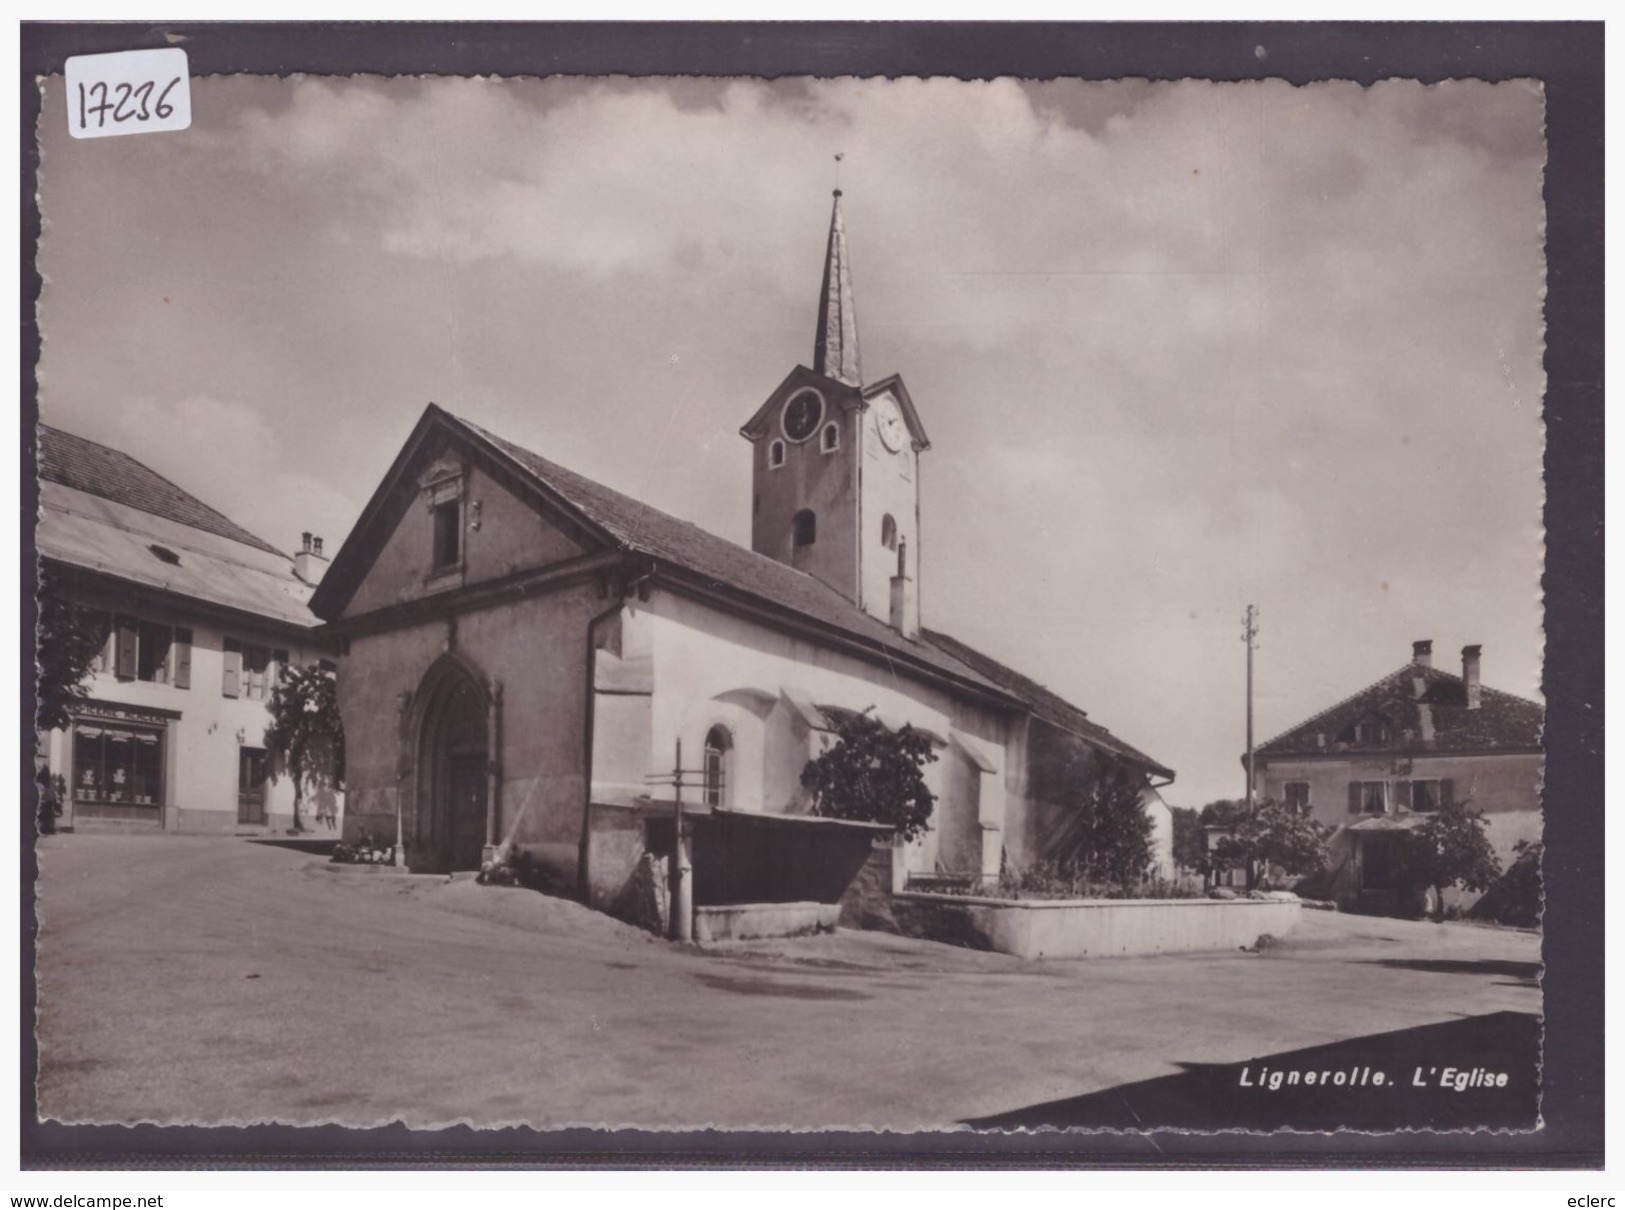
(710, 667)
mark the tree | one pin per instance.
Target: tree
(1106, 836)
(872, 773)
(306, 736)
(1190, 839)
(1269, 835)
(1448, 848)
(69, 637)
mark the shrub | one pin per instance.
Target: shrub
(872, 774)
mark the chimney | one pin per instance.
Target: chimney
(1469, 675)
(309, 563)
(1422, 653)
(905, 602)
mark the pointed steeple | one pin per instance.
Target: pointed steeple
(836, 350)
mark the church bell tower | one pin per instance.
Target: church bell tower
(835, 488)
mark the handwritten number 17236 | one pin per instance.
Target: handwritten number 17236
(123, 102)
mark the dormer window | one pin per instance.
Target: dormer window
(1368, 732)
(831, 440)
(804, 528)
(775, 454)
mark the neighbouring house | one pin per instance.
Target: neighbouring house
(200, 616)
(1377, 762)
(524, 650)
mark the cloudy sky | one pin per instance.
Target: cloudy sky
(1180, 347)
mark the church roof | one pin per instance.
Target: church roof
(1502, 722)
(835, 350)
(1045, 704)
(87, 466)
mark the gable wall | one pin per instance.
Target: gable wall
(511, 537)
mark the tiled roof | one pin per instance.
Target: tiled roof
(79, 463)
(1502, 721)
(95, 534)
(1045, 704)
(637, 527)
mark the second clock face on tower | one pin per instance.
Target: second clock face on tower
(890, 424)
(802, 414)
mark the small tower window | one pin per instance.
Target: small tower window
(888, 532)
(775, 454)
(718, 743)
(804, 527)
(831, 440)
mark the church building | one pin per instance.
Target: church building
(522, 651)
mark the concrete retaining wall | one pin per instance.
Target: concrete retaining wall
(741, 921)
(1087, 928)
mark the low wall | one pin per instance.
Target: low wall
(744, 921)
(1090, 928)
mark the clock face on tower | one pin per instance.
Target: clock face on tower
(891, 426)
(802, 414)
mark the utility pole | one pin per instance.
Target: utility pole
(1249, 635)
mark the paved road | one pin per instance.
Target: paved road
(216, 981)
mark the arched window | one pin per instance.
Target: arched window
(831, 440)
(775, 454)
(804, 527)
(718, 743)
(888, 532)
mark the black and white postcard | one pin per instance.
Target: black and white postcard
(791, 601)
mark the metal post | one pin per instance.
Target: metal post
(682, 890)
(1249, 634)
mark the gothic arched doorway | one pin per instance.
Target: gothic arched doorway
(453, 770)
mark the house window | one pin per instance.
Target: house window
(256, 671)
(888, 532)
(1296, 796)
(775, 454)
(1373, 731)
(1426, 795)
(99, 621)
(718, 743)
(152, 653)
(448, 534)
(139, 651)
(1368, 798)
(122, 764)
(804, 528)
(831, 440)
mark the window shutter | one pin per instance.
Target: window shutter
(1447, 792)
(183, 658)
(1402, 795)
(1354, 798)
(124, 652)
(232, 668)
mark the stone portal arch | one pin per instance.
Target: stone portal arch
(455, 731)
